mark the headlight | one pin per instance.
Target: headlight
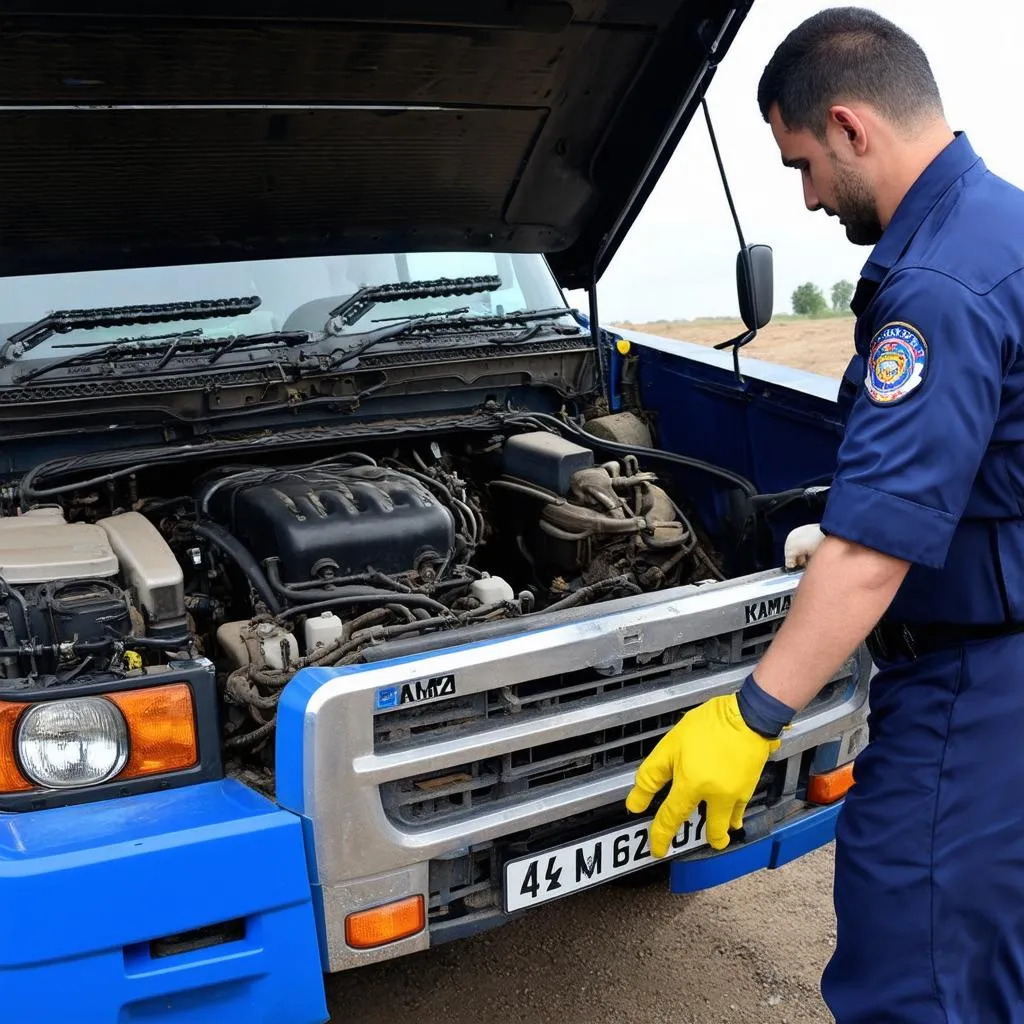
(68, 743)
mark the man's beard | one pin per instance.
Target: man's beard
(855, 206)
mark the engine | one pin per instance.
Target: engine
(78, 595)
(265, 569)
(332, 521)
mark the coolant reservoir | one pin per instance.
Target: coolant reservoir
(322, 630)
(491, 589)
(280, 649)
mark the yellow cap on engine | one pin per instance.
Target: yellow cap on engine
(132, 660)
(623, 346)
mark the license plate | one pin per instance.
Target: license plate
(542, 877)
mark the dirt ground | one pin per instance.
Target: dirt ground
(822, 346)
(750, 952)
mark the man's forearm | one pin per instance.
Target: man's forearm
(845, 591)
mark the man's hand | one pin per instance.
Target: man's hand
(801, 543)
(710, 755)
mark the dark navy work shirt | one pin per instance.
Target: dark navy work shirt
(931, 467)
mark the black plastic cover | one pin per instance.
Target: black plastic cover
(545, 459)
(63, 612)
(349, 518)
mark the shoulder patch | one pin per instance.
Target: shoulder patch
(897, 363)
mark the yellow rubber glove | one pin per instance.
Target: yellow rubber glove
(711, 755)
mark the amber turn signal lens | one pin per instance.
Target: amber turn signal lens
(829, 787)
(11, 779)
(381, 925)
(162, 727)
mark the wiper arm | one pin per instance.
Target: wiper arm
(408, 324)
(64, 320)
(169, 345)
(356, 305)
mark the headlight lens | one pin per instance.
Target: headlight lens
(68, 743)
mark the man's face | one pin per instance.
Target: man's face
(831, 181)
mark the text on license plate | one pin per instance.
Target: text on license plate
(546, 876)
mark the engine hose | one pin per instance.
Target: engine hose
(702, 555)
(251, 738)
(418, 625)
(653, 544)
(530, 490)
(465, 513)
(362, 457)
(349, 601)
(687, 525)
(570, 517)
(346, 594)
(241, 556)
(559, 534)
(29, 494)
(10, 592)
(210, 489)
(402, 612)
(489, 609)
(592, 590)
(156, 643)
(273, 573)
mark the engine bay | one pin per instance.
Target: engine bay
(312, 556)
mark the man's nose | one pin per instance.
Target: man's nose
(811, 200)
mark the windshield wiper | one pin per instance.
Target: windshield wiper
(169, 345)
(371, 338)
(356, 305)
(64, 320)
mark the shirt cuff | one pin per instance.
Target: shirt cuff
(892, 525)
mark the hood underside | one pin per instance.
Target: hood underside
(192, 135)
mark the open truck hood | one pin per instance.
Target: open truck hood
(191, 134)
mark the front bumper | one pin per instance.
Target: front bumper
(786, 843)
(187, 905)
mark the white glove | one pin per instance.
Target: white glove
(801, 544)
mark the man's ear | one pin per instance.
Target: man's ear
(845, 123)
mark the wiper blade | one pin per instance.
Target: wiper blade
(409, 324)
(64, 320)
(169, 345)
(356, 305)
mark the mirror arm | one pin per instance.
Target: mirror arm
(736, 344)
(751, 333)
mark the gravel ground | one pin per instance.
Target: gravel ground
(750, 952)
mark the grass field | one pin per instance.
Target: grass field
(822, 346)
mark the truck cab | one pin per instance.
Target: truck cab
(347, 572)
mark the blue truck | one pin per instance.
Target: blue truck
(346, 572)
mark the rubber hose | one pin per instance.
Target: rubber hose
(241, 556)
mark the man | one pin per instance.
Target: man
(923, 538)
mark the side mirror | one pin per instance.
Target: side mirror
(755, 282)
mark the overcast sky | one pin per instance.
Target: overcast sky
(678, 260)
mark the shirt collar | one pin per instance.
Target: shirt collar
(951, 163)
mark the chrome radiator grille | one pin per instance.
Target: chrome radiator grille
(512, 775)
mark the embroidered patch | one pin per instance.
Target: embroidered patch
(897, 363)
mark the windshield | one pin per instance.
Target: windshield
(296, 294)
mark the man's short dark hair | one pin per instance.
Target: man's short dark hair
(844, 54)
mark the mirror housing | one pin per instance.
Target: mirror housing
(755, 283)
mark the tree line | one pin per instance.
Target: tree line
(809, 300)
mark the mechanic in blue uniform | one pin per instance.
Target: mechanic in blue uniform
(923, 554)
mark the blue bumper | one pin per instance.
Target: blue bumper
(784, 844)
(191, 905)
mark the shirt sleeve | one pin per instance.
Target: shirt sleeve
(919, 428)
